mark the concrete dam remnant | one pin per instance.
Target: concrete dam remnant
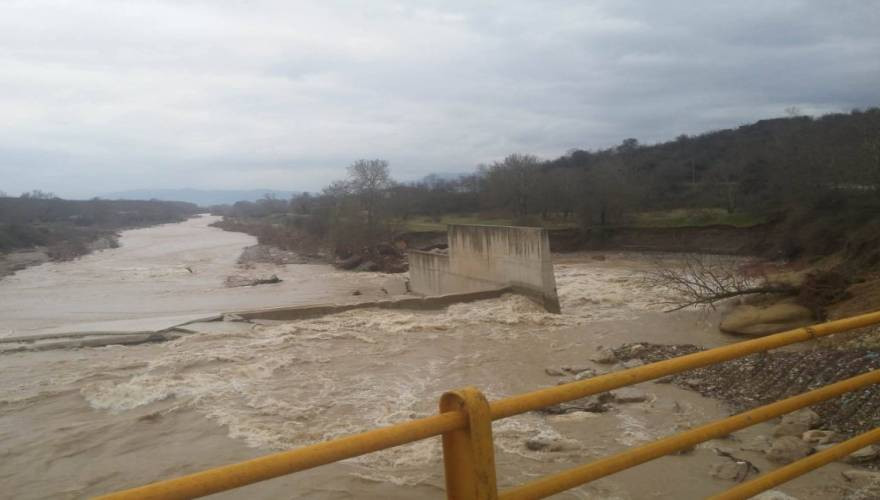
(485, 258)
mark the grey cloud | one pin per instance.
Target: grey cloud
(102, 96)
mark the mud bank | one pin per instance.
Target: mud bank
(15, 261)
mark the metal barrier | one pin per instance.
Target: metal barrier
(465, 420)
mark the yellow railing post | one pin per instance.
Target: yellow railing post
(468, 453)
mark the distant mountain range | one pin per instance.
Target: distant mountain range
(202, 197)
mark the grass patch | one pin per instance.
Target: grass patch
(425, 223)
(683, 217)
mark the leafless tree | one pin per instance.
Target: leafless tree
(369, 180)
(703, 280)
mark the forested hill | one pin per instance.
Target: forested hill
(751, 172)
(763, 166)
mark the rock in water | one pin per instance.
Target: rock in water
(815, 437)
(797, 423)
(788, 449)
(866, 454)
(732, 470)
(773, 495)
(862, 478)
(629, 395)
(605, 356)
(756, 321)
(544, 444)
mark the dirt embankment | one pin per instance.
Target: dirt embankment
(715, 239)
(383, 257)
(763, 378)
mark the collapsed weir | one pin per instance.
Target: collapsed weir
(482, 258)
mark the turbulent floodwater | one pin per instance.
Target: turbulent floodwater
(81, 422)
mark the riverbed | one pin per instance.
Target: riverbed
(75, 423)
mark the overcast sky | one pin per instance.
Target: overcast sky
(104, 96)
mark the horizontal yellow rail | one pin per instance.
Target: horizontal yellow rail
(278, 464)
(799, 468)
(577, 476)
(258, 469)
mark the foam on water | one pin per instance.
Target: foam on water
(288, 385)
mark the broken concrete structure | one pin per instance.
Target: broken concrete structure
(485, 258)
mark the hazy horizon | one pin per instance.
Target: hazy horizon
(104, 97)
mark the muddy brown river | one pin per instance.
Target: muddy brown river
(80, 422)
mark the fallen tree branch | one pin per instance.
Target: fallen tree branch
(701, 280)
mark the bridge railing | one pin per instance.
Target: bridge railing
(465, 417)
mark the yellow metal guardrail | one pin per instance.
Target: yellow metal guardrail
(465, 421)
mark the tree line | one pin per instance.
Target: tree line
(42, 219)
(824, 165)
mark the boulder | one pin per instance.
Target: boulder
(578, 369)
(817, 436)
(732, 470)
(555, 372)
(866, 454)
(797, 423)
(585, 374)
(862, 478)
(604, 356)
(754, 321)
(788, 449)
(773, 495)
(629, 395)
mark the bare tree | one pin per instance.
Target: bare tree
(369, 180)
(703, 280)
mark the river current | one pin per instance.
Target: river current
(79, 422)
